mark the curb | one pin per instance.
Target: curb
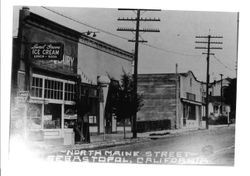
(113, 143)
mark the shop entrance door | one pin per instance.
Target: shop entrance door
(188, 113)
(108, 123)
(52, 116)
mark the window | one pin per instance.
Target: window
(203, 99)
(92, 92)
(224, 109)
(69, 92)
(34, 114)
(37, 87)
(191, 96)
(83, 91)
(53, 89)
(70, 116)
(190, 82)
(216, 108)
(92, 120)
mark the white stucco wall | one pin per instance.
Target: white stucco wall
(195, 88)
(93, 62)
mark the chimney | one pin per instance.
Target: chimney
(176, 68)
(25, 8)
(24, 12)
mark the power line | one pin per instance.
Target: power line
(171, 51)
(137, 31)
(222, 63)
(118, 36)
(85, 24)
(208, 52)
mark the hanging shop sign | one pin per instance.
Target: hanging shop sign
(47, 51)
(22, 96)
(70, 117)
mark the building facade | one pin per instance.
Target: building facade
(217, 106)
(102, 65)
(171, 101)
(55, 71)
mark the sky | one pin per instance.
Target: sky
(174, 44)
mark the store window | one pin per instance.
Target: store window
(92, 119)
(69, 92)
(191, 96)
(216, 108)
(53, 89)
(83, 91)
(37, 87)
(52, 116)
(70, 116)
(34, 114)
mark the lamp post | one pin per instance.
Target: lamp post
(91, 32)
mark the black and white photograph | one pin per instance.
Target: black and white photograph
(130, 86)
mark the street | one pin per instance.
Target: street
(206, 147)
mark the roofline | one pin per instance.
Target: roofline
(78, 35)
(182, 74)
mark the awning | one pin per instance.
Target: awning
(191, 102)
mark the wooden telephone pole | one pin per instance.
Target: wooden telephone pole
(208, 53)
(137, 31)
(221, 93)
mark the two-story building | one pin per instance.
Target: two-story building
(171, 101)
(217, 106)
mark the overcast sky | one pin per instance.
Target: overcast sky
(175, 42)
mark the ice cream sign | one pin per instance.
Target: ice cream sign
(47, 51)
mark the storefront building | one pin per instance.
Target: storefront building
(171, 101)
(54, 69)
(45, 67)
(102, 65)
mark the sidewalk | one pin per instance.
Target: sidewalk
(114, 139)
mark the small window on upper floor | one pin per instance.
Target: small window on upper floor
(190, 82)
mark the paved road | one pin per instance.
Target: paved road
(207, 147)
(214, 146)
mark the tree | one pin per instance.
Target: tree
(230, 96)
(125, 104)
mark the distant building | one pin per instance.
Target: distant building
(217, 106)
(171, 101)
(55, 71)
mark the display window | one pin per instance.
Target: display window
(37, 87)
(69, 92)
(53, 89)
(34, 114)
(52, 116)
(70, 116)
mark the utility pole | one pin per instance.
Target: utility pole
(137, 31)
(208, 53)
(236, 69)
(221, 75)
